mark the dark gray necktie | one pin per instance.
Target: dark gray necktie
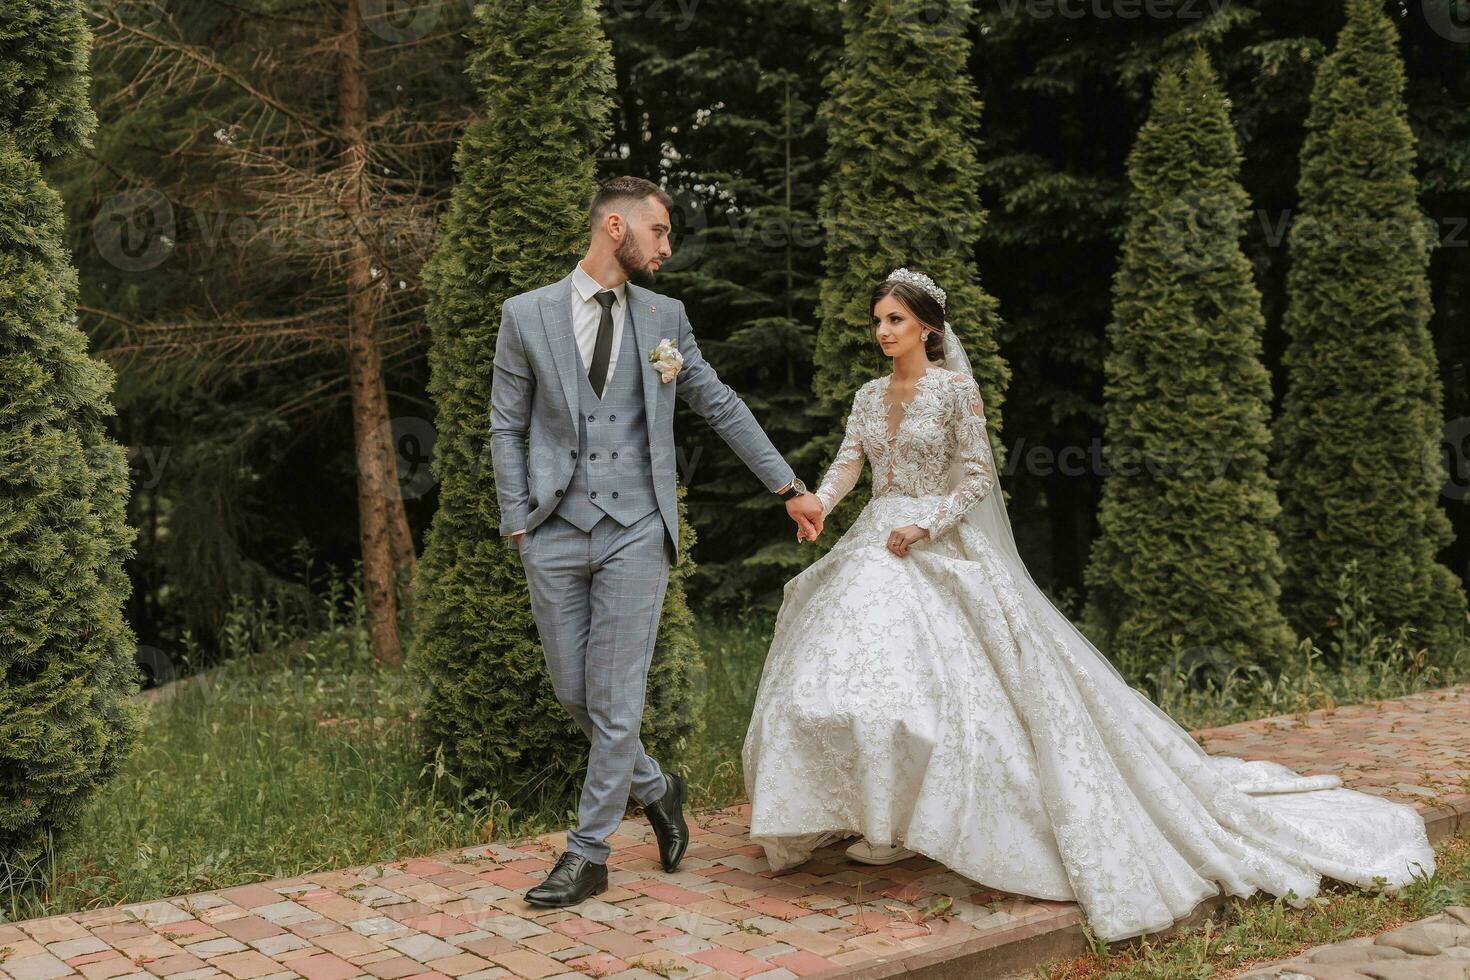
(597, 374)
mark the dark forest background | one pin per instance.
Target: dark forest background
(222, 300)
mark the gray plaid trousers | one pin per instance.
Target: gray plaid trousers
(612, 578)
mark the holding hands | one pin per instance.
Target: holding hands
(806, 510)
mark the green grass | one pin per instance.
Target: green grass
(1362, 663)
(1258, 932)
(301, 758)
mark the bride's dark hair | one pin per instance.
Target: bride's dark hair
(923, 306)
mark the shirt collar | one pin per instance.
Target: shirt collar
(587, 287)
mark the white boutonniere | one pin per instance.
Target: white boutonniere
(667, 359)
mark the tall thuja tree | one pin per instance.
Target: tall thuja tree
(1358, 439)
(732, 131)
(1187, 552)
(1054, 178)
(66, 654)
(902, 119)
(517, 221)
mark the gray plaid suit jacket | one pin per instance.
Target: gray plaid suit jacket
(533, 403)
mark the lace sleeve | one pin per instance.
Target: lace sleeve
(967, 415)
(847, 466)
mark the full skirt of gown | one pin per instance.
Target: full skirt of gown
(926, 700)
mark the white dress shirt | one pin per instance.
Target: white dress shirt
(586, 315)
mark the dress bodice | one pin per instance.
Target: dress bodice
(943, 422)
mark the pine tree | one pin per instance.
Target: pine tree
(902, 117)
(1187, 548)
(67, 720)
(1358, 440)
(517, 221)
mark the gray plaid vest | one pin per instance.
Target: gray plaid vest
(614, 473)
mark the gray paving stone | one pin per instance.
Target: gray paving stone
(275, 945)
(570, 953)
(765, 924)
(683, 945)
(778, 974)
(422, 947)
(818, 922)
(40, 966)
(1438, 968)
(1410, 939)
(766, 952)
(378, 927)
(285, 913)
(513, 927)
(155, 913)
(68, 948)
(215, 947)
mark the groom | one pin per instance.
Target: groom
(592, 509)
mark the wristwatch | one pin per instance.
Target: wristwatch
(796, 489)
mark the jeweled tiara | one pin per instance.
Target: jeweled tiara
(918, 279)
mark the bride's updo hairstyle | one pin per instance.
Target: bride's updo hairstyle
(923, 306)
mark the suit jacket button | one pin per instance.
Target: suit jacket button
(574, 454)
(615, 455)
(592, 418)
(612, 418)
(615, 495)
(593, 495)
(591, 455)
(558, 493)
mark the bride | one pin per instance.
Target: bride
(921, 691)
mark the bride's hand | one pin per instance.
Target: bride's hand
(803, 534)
(900, 538)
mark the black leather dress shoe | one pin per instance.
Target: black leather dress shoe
(666, 816)
(573, 879)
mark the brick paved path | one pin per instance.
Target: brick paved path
(460, 914)
(1414, 749)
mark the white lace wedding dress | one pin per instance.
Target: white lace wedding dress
(940, 701)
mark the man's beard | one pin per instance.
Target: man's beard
(632, 259)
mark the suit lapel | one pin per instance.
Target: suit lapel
(556, 317)
(645, 316)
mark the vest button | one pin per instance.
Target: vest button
(615, 495)
(615, 455)
(558, 493)
(592, 418)
(593, 495)
(612, 418)
(591, 455)
(574, 454)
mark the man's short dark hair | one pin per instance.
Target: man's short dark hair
(624, 192)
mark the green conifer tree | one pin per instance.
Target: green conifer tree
(902, 117)
(518, 220)
(67, 719)
(1187, 548)
(1358, 440)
